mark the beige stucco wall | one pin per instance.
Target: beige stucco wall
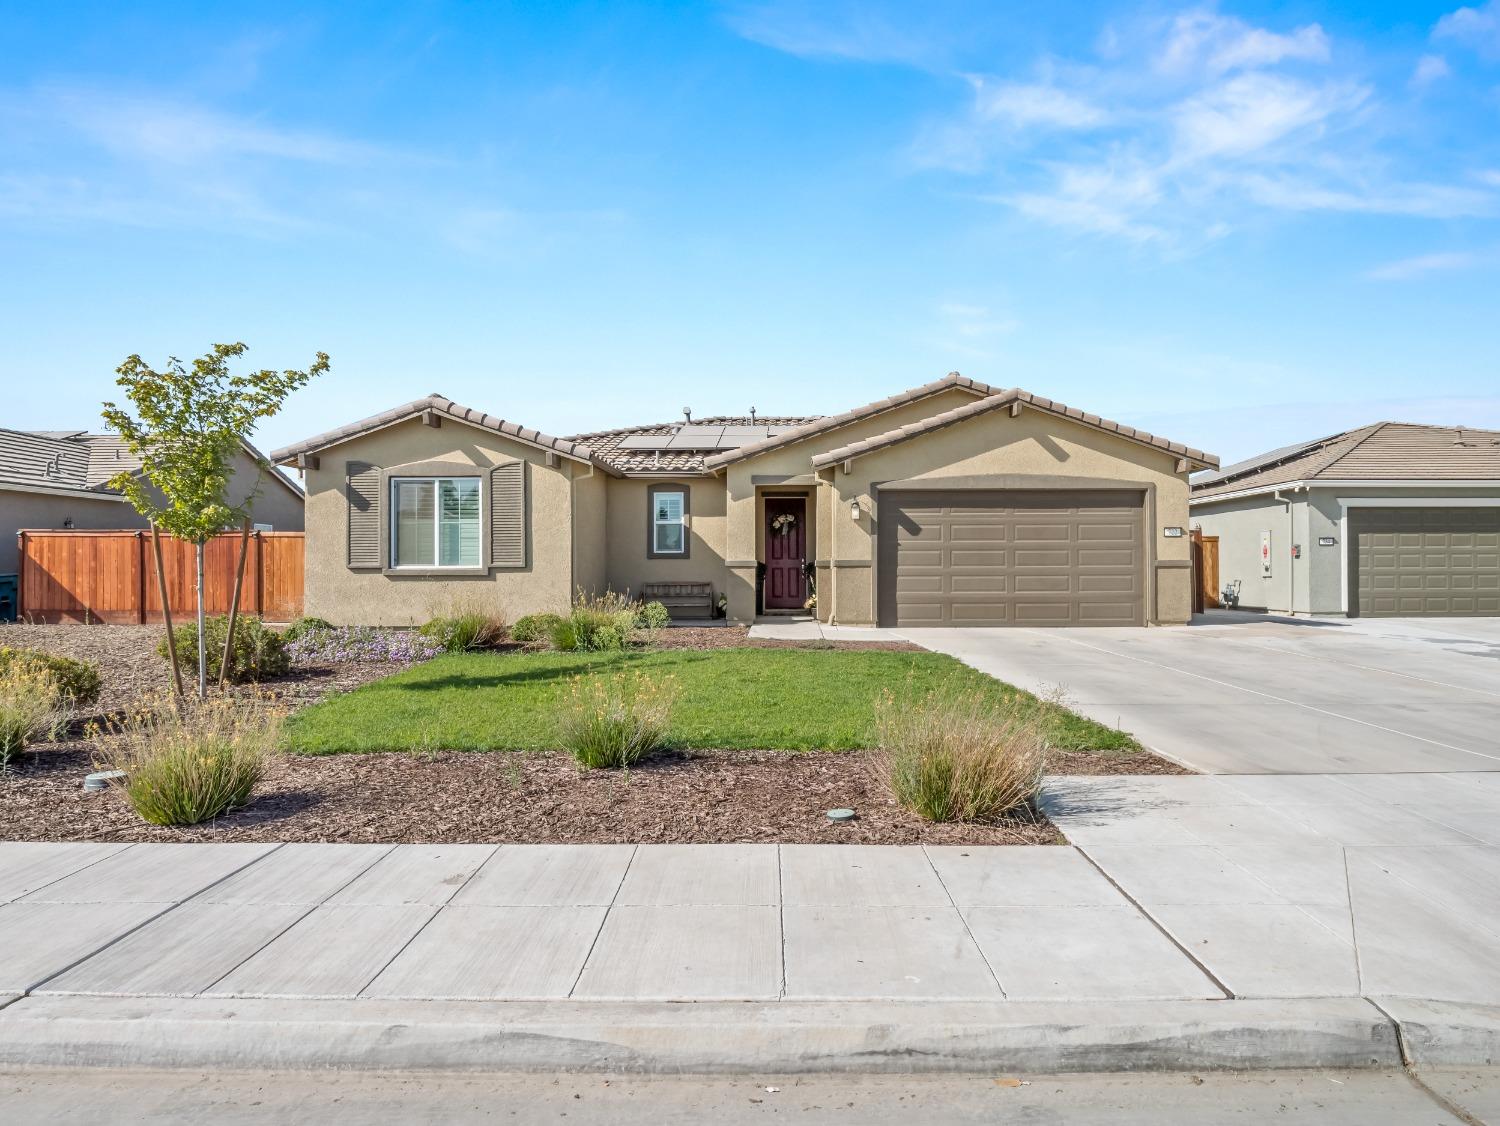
(370, 597)
(992, 445)
(743, 506)
(590, 522)
(627, 540)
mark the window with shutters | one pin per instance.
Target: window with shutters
(435, 522)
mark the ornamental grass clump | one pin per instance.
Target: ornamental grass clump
(188, 767)
(971, 757)
(33, 707)
(598, 623)
(470, 629)
(613, 721)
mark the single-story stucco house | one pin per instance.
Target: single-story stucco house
(1392, 519)
(952, 503)
(53, 479)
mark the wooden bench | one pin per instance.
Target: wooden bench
(682, 600)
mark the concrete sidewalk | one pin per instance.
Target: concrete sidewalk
(1195, 921)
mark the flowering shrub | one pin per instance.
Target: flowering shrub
(362, 644)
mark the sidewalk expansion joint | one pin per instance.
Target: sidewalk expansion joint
(1229, 994)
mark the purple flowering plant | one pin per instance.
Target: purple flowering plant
(362, 645)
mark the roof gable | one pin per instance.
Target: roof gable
(1012, 398)
(446, 408)
(829, 423)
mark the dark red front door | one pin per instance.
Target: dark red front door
(786, 544)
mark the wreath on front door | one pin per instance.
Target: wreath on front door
(784, 523)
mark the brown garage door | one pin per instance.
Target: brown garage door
(1011, 558)
(1428, 562)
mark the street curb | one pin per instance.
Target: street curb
(1445, 1033)
(709, 1038)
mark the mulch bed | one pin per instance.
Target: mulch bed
(694, 797)
(687, 797)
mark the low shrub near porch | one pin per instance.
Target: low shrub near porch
(726, 699)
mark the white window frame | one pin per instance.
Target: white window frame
(680, 522)
(395, 483)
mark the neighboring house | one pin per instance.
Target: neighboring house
(1390, 519)
(949, 504)
(59, 479)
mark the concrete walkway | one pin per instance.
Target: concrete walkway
(1239, 693)
(1188, 909)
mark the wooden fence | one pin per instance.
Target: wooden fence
(1205, 572)
(84, 576)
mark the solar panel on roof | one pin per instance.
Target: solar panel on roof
(643, 442)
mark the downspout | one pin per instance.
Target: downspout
(1291, 562)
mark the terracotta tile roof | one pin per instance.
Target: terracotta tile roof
(829, 422)
(606, 444)
(1382, 451)
(443, 406)
(1005, 399)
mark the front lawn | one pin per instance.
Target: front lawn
(731, 699)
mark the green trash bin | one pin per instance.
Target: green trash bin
(10, 588)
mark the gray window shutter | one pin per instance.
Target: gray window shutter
(363, 488)
(508, 515)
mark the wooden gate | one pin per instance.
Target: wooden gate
(87, 576)
(1205, 572)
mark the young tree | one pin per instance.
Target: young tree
(187, 430)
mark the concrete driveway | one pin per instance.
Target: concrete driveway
(1240, 693)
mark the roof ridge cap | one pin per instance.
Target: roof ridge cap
(1370, 430)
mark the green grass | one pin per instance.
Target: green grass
(738, 699)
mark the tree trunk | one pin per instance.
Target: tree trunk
(166, 609)
(202, 641)
(234, 603)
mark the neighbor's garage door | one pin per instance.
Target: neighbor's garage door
(1011, 558)
(1425, 561)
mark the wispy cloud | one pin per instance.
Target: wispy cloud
(185, 134)
(1178, 131)
(1429, 69)
(842, 29)
(1478, 28)
(1026, 104)
(1421, 265)
(1204, 40)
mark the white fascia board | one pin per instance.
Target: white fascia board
(1420, 502)
(1290, 486)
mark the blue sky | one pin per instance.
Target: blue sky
(1238, 226)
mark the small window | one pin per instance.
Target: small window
(668, 525)
(435, 522)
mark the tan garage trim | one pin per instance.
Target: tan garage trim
(1033, 557)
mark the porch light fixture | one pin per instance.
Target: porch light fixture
(854, 510)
